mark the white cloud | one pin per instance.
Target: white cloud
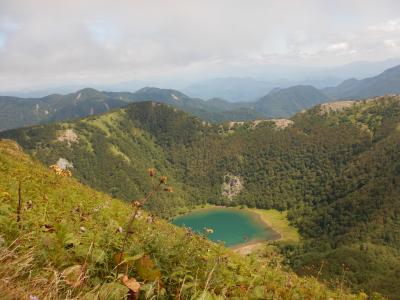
(393, 44)
(100, 41)
(338, 47)
(388, 26)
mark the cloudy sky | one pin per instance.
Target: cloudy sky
(58, 42)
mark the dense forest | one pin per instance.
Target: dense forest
(335, 168)
(64, 242)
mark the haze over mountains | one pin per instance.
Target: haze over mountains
(263, 79)
(236, 85)
(279, 102)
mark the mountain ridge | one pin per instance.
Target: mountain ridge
(279, 102)
(325, 167)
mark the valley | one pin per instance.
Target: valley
(326, 168)
(231, 227)
(66, 239)
(199, 150)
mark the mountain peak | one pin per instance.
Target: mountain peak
(88, 90)
(393, 71)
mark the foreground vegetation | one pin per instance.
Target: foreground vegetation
(60, 239)
(334, 169)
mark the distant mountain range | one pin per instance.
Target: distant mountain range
(387, 82)
(265, 78)
(279, 102)
(234, 89)
(19, 112)
(288, 101)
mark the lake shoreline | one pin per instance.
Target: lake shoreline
(251, 245)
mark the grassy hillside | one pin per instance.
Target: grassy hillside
(333, 167)
(62, 243)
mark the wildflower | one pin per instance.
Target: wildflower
(60, 172)
(163, 179)
(31, 297)
(152, 172)
(67, 173)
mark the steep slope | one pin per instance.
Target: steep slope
(210, 110)
(288, 101)
(64, 241)
(387, 82)
(324, 166)
(18, 112)
(107, 151)
(80, 104)
(358, 224)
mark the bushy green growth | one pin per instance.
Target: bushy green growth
(335, 171)
(68, 236)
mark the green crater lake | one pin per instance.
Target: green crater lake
(231, 226)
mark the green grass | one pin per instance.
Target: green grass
(66, 227)
(278, 221)
(105, 121)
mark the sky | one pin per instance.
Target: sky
(57, 42)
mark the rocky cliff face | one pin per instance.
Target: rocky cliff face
(231, 186)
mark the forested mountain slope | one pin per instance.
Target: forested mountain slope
(19, 112)
(334, 167)
(388, 82)
(63, 241)
(288, 101)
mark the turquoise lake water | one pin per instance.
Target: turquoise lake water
(231, 226)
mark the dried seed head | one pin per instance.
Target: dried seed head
(152, 172)
(137, 204)
(169, 189)
(163, 179)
